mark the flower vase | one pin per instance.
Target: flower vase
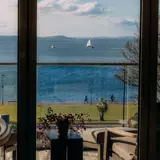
(63, 131)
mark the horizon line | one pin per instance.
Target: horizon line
(72, 36)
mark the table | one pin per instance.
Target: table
(69, 149)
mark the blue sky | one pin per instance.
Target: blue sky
(76, 18)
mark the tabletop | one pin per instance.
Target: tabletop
(52, 134)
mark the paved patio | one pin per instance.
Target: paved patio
(87, 155)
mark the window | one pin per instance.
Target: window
(91, 52)
(78, 65)
(8, 66)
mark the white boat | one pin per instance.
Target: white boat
(89, 45)
(52, 46)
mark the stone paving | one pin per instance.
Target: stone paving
(45, 155)
(87, 155)
(91, 155)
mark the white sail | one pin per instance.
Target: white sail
(89, 43)
(52, 46)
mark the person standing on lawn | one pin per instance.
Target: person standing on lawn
(85, 99)
(112, 98)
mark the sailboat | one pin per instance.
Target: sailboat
(89, 45)
(52, 46)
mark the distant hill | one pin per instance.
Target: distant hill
(121, 37)
(105, 37)
(59, 37)
(62, 37)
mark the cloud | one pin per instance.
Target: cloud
(81, 26)
(69, 17)
(72, 7)
(93, 8)
(2, 25)
(128, 22)
(8, 20)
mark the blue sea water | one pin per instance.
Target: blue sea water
(74, 49)
(68, 83)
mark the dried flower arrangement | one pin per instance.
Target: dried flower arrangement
(63, 122)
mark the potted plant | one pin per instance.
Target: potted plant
(133, 121)
(13, 127)
(63, 122)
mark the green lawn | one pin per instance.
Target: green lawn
(114, 110)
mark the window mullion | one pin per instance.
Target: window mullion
(26, 129)
(148, 79)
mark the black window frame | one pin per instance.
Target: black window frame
(27, 35)
(27, 46)
(148, 79)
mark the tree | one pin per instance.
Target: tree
(102, 107)
(131, 54)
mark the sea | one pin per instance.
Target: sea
(69, 83)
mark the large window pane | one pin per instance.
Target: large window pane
(8, 74)
(8, 31)
(88, 32)
(8, 106)
(65, 88)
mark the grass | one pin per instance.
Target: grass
(114, 110)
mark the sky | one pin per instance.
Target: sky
(76, 18)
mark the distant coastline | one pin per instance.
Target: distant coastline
(74, 37)
(99, 37)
